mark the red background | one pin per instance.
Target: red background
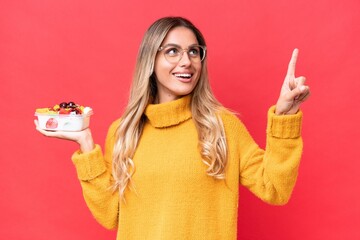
(85, 51)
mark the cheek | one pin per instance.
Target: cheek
(161, 64)
(198, 71)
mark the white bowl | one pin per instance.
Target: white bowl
(63, 122)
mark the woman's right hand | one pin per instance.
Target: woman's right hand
(83, 138)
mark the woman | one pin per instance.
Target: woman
(176, 157)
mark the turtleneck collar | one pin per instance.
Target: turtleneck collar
(169, 113)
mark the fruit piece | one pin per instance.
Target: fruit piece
(51, 123)
(51, 112)
(71, 105)
(87, 110)
(63, 105)
(64, 111)
(42, 110)
(76, 110)
(64, 108)
(56, 107)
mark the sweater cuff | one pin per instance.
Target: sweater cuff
(89, 165)
(284, 126)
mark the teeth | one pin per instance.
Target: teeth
(183, 75)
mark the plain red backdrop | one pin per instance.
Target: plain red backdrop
(85, 51)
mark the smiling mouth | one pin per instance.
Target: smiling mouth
(183, 75)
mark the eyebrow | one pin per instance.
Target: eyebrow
(176, 45)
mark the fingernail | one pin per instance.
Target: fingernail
(302, 88)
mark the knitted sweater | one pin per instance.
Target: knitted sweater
(175, 198)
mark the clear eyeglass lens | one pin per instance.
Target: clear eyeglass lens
(174, 54)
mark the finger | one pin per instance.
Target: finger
(299, 82)
(304, 95)
(292, 83)
(295, 93)
(296, 82)
(36, 122)
(292, 63)
(46, 133)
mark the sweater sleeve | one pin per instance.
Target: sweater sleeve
(271, 173)
(95, 176)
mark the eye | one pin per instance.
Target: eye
(172, 51)
(194, 51)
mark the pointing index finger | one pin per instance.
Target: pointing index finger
(292, 63)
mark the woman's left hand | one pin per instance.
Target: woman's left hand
(293, 91)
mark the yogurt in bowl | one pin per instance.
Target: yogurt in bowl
(64, 117)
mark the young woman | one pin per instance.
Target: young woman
(173, 162)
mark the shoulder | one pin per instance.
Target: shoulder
(229, 118)
(112, 129)
(231, 122)
(114, 125)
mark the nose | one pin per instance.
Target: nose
(185, 60)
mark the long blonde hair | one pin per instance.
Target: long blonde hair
(204, 107)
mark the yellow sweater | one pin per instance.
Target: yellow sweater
(174, 198)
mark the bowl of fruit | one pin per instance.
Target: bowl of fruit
(66, 116)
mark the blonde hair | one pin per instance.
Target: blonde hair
(204, 107)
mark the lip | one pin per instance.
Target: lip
(184, 80)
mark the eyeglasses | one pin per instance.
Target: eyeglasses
(173, 53)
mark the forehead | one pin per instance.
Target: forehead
(181, 36)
